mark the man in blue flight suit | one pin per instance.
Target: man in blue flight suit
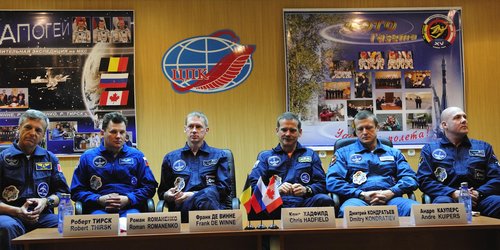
(300, 176)
(31, 180)
(195, 177)
(370, 173)
(113, 178)
(455, 158)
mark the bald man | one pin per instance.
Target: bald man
(455, 158)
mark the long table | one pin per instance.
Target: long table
(483, 233)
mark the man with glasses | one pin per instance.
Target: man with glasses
(195, 177)
(370, 173)
(300, 177)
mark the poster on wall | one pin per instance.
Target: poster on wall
(405, 66)
(75, 66)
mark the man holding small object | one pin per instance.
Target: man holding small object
(456, 158)
(31, 180)
(195, 177)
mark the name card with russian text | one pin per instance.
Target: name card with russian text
(215, 220)
(86, 225)
(308, 217)
(438, 214)
(369, 216)
(154, 223)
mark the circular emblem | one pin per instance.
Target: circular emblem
(179, 165)
(439, 154)
(11, 161)
(10, 193)
(440, 174)
(95, 182)
(99, 161)
(208, 64)
(356, 158)
(273, 161)
(439, 31)
(359, 178)
(133, 181)
(305, 177)
(42, 189)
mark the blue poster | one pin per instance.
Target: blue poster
(75, 66)
(405, 66)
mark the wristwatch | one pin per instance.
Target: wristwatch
(50, 202)
(361, 196)
(309, 192)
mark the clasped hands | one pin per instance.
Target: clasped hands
(113, 202)
(377, 197)
(295, 189)
(31, 209)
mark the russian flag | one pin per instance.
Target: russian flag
(114, 98)
(113, 80)
(257, 203)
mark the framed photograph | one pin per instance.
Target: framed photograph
(400, 64)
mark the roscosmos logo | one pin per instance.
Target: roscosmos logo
(208, 64)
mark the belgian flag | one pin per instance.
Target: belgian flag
(246, 196)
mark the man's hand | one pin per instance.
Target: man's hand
(180, 197)
(113, 202)
(24, 214)
(298, 190)
(455, 195)
(170, 194)
(377, 197)
(37, 204)
(474, 194)
(286, 188)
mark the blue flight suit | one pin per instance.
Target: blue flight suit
(100, 173)
(38, 176)
(206, 174)
(355, 169)
(443, 167)
(303, 167)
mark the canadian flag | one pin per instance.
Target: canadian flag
(114, 98)
(272, 198)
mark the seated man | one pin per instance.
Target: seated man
(195, 177)
(31, 180)
(113, 178)
(455, 158)
(370, 173)
(298, 168)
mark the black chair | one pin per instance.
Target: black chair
(348, 141)
(230, 201)
(149, 207)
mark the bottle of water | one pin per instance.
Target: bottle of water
(465, 198)
(65, 208)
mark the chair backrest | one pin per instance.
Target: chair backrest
(232, 178)
(348, 141)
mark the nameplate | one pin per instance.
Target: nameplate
(438, 214)
(308, 217)
(371, 216)
(215, 220)
(85, 225)
(153, 223)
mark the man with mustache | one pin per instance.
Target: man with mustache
(456, 158)
(369, 173)
(300, 177)
(113, 178)
(195, 177)
(31, 180)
